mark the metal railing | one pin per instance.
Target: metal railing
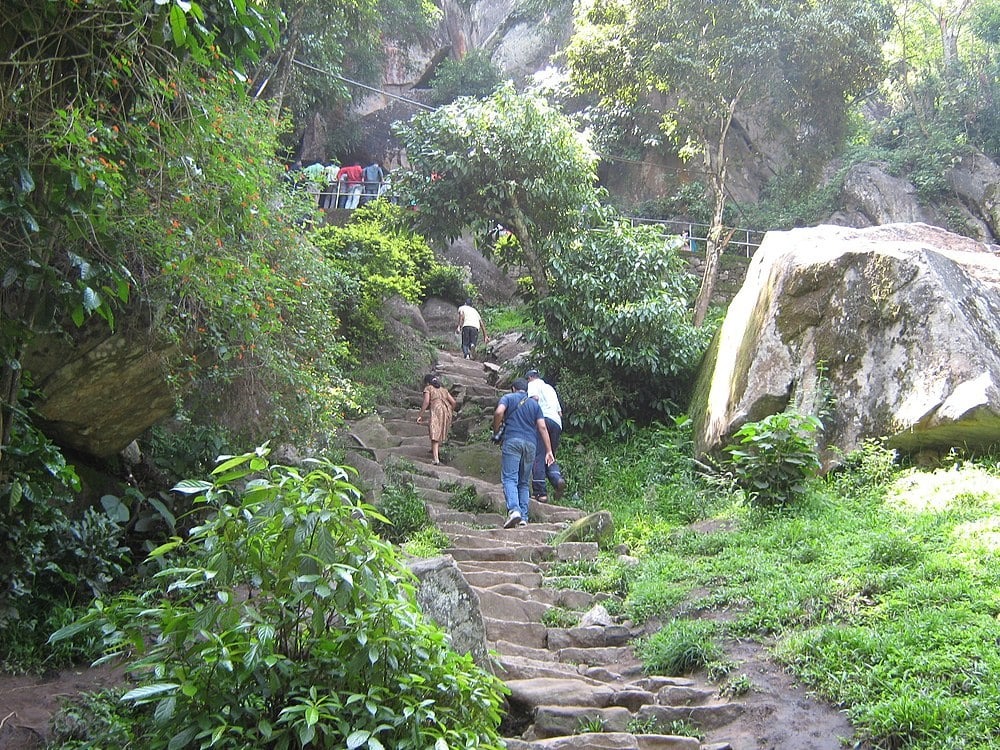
(339, 195)
(743, 241)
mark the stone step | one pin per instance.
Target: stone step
(514, 566)
(534, 533)
(613, 656)
(589, 637)
(405, 428)
(562, 721)
(489, 541)
(525, 587)
(541, 654)
(513, 667)
(526, 552)
(703, 717)
(500, 579)
(441, 514)
(530, 634)
(500, 607)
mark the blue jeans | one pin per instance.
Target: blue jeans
(516, 458)
(539, 471)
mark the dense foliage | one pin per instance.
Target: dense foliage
(723, 65)
(282, 621)
(474, 75)
(621, 342)
(511, 160)
(51, 558)
(374, 257)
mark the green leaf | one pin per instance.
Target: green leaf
(27, 182)
(178, 25)
(144, 693)
(192, 487)
(358, 738)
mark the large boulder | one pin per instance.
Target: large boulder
(889, 331)
(98, 391)
(445, 597)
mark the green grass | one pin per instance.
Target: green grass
(880, 591)
(501, 320)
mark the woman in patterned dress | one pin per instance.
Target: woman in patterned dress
(441, 405)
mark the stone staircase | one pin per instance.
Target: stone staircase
(575, 687)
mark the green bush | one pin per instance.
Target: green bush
(376, 257)
(473, 75)
(283, 622)
(772, 459)
(449, 283)
(49, 562)
(466, 499)
(404, 510)
(617, 322)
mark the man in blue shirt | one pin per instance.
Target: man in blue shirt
(524, 420)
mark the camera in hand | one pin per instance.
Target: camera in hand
(497, 437)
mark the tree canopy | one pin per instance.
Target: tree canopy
(716, 62)
(509, 159)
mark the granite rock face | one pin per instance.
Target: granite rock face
(886, 332)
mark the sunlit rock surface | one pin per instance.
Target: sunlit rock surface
(890, 331)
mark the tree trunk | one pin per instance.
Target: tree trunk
(715, 164)
(532, 259)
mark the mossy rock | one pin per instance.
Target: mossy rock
(597, 527)
(480, 460)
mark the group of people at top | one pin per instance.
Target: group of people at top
(344, 186)
(532, 419)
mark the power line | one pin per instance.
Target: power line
(365, 86)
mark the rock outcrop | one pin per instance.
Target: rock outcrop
(882, 332)
(99, 391)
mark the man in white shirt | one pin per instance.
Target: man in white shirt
(548, 400)
(470, 323)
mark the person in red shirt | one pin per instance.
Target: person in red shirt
(354, 177)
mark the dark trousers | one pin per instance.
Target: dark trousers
(470, 335)
(539, 471)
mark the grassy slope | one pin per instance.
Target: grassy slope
(881, 590)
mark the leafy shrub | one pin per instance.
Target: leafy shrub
(467, 500)
(376, 257)
(94, 721)
(617, 321)
(772, 459)
(449, 283)
(428, 542)
(284, 621)
(868, 467)
(680, 647)
(404, 510)
(474, 75)
(49, 562)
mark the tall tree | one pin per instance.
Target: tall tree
(719, 60)
(508, 160)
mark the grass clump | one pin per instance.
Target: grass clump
(679, 647)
